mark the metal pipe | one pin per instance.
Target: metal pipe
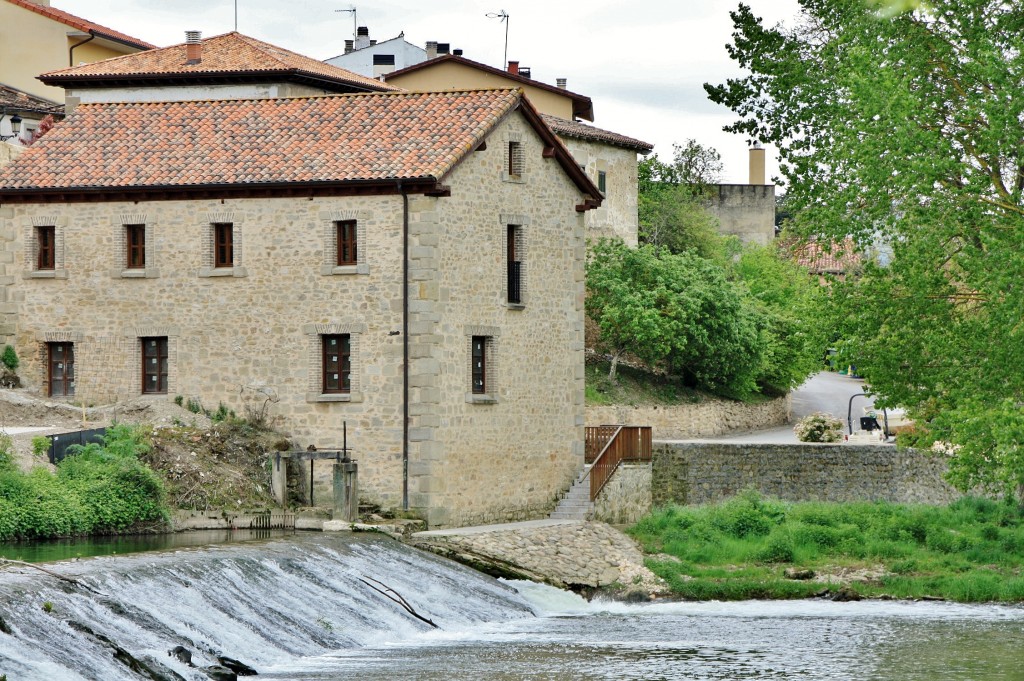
(71, 50)
(405, 347)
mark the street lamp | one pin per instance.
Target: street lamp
(15, 126)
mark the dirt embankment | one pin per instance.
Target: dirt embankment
(206, 465)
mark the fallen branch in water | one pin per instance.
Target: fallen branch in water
(395, 597)
(63, 578)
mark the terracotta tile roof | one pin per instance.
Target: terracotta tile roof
(582, 106)
(330, 139)
(17, 101)
(230, 54)
(588, 132)
(832, 258)
(82, 24)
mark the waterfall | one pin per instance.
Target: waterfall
(270, 605)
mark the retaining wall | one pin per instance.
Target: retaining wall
(701, 419)
(626, 498)
(699, 473)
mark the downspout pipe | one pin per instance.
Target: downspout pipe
(71, 50)
(405, 347)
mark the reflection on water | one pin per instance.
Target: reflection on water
(85, 547)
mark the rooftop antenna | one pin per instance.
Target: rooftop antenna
(353, 10)
(503, 17)
(236, 16)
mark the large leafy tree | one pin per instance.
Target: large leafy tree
(902, 123)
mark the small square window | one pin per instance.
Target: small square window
(46, 247)
(336, 363)
(223, 244)
(602, 181)
(135, 240)
(154, 365)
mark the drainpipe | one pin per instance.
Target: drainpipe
(405, 347)
(71, 50)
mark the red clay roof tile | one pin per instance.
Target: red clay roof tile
(222, 55)
(579, 130)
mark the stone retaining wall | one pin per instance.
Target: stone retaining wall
(699, 473)
(626, 498)
(710, 417)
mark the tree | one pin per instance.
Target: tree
(672, 212)
(903, 122)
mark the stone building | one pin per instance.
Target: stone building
(608, 158)
(746, 211)
(410, 264)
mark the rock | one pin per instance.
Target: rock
(239, 668)
(182, 653)
(798, 573)
(846, 594)
(219, 673)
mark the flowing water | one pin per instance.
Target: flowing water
(303, 608)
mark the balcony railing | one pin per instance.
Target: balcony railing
(515, 281)
(614, 444)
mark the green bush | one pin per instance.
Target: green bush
(9, 358)
(819, 427)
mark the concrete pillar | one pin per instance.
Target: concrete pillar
(346, 491)
(279, 476)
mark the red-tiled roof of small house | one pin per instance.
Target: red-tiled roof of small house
(582, 131)
(14, 101)
(231, 56)
(582, 106)
(82, 24)
(371, 139)
(831, 258)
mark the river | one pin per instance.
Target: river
(303, 608)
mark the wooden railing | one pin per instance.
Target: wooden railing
(616, 444)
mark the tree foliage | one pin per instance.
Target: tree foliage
(902, 122)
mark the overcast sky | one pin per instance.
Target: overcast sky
(642, 62)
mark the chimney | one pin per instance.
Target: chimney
(524, 71)
(193, 47)
(457, 52)
(513, 67)
(349, 46)
(443, 48)
(362, 37)
(756, 164)
(372, 43)
(431, 49)
(561, 82)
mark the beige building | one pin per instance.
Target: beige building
(424, 289)
(608, 158)
(35, 37)
(746, 211)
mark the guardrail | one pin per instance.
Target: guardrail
(618, 444)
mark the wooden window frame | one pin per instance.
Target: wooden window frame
(343, 368)
(69, 362)
(135, 249)
(513, 266)
(347, 237)
(46, 247)
(223, 245)
(478, 369)
(602, 181)
(162, 361)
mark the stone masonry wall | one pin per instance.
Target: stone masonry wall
(617, 216)
(699, 473)
(702, 419)
(626, 498)
(743, 210)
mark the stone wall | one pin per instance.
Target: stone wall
(743, 210)
(617, 216)
(700, 473)
(708, 418)
(626, 498)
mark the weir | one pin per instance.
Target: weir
(271, 605)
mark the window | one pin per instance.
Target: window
(478, 365)
(154, 365)
(515, 159)
(46, 247)
(347, 241)
(383, 60)
(514, 264)
(602, 181)
(223, 246)
(336, 363)
(60, 369)
(135, 240)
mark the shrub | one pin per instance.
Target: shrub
(819, 427)
(9, 358)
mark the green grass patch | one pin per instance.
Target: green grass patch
(969, 551)
(100, 489)
(636, 387)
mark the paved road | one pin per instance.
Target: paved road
(825, 391)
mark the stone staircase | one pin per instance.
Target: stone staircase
(576, 504)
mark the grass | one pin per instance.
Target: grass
(635, 387)
(969, 551)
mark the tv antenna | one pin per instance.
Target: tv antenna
(502, 16)
(353, 10)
